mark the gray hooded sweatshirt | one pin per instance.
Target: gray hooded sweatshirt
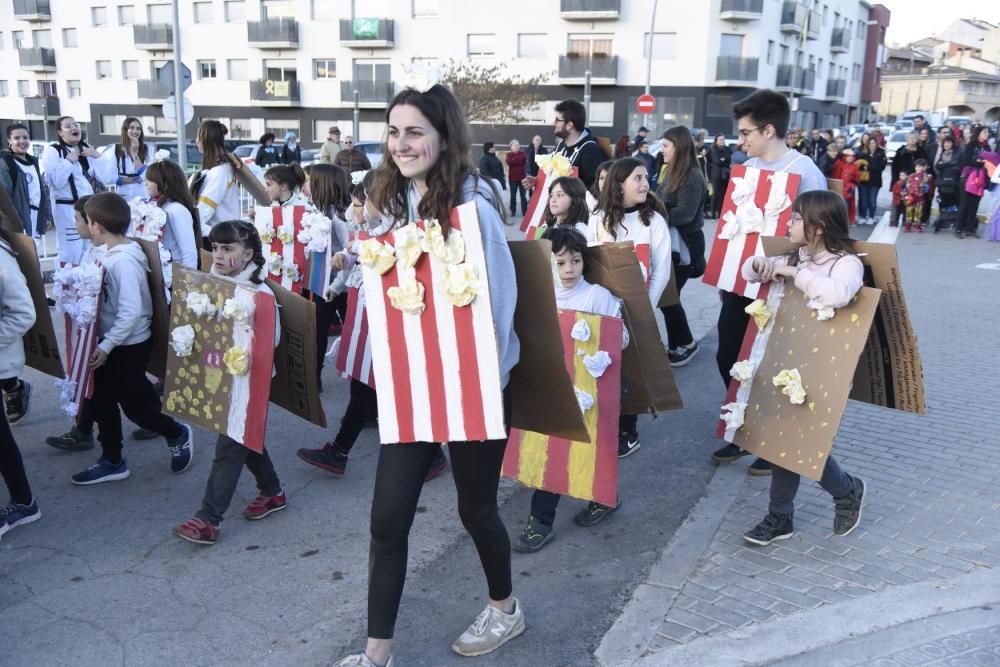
(126, 304)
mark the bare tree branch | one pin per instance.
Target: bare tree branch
(489, 94)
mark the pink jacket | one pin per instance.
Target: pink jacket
(828, 279)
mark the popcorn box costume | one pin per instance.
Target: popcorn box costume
(550, 166)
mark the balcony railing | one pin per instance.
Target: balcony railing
(151, 89)
(835, 88)
(793, 16)
(268, 93)
(741, 10)
(840, 41)
(41, 107)
(273, 34)
(573, 69)
(792, 79)
(734, 68)
(369, 92)
(367, 33)
(589, 10)
(32, 10)
(154, 36)
(38, 59)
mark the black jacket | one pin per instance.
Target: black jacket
(532, 167)
(818, 148)
(266, 156)
(586, 155)
(289, 156)
(876, 166)
(904, 161)
(719, 162)
(490, 167)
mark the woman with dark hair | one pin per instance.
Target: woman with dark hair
(871, 165)
(567, 204)
(214, 187)
(948, 167)
(131, 156)
(21, 177)
(594, 193)
(622, 147)
(426, 174)
(683, 192)
(167, 186)
(974, 181)
(719, 162)
(267, 154)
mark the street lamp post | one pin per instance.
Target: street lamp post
(179, 91)
(649, 57)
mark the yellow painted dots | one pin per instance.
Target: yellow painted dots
(854, 317)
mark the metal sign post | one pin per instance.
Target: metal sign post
(586, 95)
(179, 91)
(357, 115)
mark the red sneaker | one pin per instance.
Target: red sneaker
(198, 531)
(919, 229)
(261, 506)
(907, 227)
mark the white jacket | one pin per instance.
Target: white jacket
(17, 313)
(64, 175)
(178, 235)
(125, 167)
(219, 197)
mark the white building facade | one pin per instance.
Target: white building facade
(278, 65)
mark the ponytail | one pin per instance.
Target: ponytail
(287, 174)
(244, 233)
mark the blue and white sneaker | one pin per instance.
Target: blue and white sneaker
(102, 471)
(15, 515)
(181, 450)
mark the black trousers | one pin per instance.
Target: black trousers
(398, 481)
(122, 381)
(968, 205)
(327, 313)
(515, 187)
(731, 328)
(361, 407)
(718, 195)
(674, 317)
(12, 466)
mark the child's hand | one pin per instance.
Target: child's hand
(785, 270)
(97, 359)
(765, 268)
(338, 261)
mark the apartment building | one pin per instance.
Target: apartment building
(278, 65)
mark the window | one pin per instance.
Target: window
(861, 29)
(103, 69)
(4, 91)
(203, 12)
(770, 52)
(587, 45)
(236, 70)
(98, 16)
(17, 39)
(163, 127)
(325, 68)
(664, 45)
(206, 69)
(159, 14)
(281, 126)
(126, 14)
(833, 70)
(69, 38)
(41, 39)
(481, 44)
(24, 88)
(73, 85)
(426, 8)
(324, 10)
(856, 73)
(111, 124)
(236, 11)
(130, 69)
(322, 127)
(602, 114)
(531, 45)
(240, 128)
(277, 9)
(47, 89)
(731, 45)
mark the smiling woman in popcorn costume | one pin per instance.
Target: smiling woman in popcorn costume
(429, 174)
(826, 268)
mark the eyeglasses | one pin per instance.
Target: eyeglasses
(560, 120)
(348, 143)
(747, 133)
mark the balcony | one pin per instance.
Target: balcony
(793, 17)
(589, 10)
(153, 36)
(41, 107)
(38, 59)
(151, 89)
(733, 70)
(814, 25)
(370, 93)
(835, 89)
(741, 10)
(273, 34)
(841, 40)
(603, 69)
(274, 93)
(32, 10)
(367, 33)
(791, 79)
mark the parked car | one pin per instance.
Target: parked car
(309, 156)
(248, 152)
(895, 141)
(372, 149)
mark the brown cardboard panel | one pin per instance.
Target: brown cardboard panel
(647, 381)
(541, 390)
(799, 437)
(204, 261)
(295, 386)
(835, 185)
(41, 348)
(249, 181)
(890, 372)
(160, 331)
(670, 294)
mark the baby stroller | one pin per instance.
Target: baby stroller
(949, 182)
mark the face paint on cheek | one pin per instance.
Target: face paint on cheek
(233, 262)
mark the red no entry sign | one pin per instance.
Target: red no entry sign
(646, 103)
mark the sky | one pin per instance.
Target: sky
(914, 19)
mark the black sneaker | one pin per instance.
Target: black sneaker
(327, 457)
(628, 444)
(438, 465)
(847, 514)
(534, 536)
(594, 514)
(144, 434)
(728, 454)
(760, 467)
(680, 356)
(17, 403)
(774, 527)
(73, 440)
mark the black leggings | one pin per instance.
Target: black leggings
(12, 466)
(398, 481)
(327, 312)
(362, 407)
(674, 317)
(967, 208)
(732, 326)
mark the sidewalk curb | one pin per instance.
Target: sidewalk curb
(626, 641)
(830, 624)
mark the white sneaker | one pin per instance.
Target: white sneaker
(360, 660)
(491, 630)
